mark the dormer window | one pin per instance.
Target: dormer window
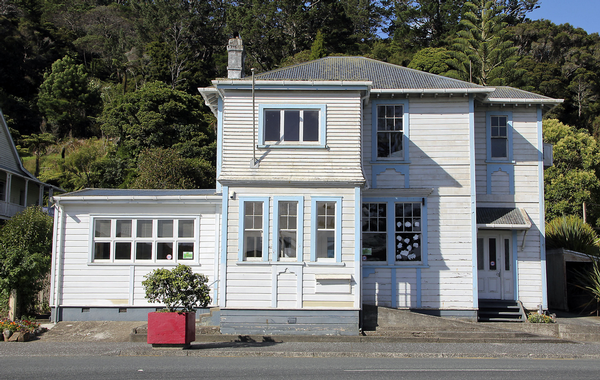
(289, 126)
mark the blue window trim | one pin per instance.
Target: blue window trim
(299, 227)
(265, 240)
(507, 168)
(391, 241)
(405, 124)
(509, 134)
(338, 226)
(403, 169)
(322, 143)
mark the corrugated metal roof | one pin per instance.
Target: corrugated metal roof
(498, 216)
(383, 75)
(138, 193)
(503, 92)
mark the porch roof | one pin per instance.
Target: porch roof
(502, 218)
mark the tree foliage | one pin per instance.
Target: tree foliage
(178, 289)
(25, 254)
(574, 178)
(67, 99)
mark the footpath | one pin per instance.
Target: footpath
(572, 337)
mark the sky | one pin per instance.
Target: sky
(579, 13)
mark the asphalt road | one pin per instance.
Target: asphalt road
(71, 368)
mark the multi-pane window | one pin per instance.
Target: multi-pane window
(374, 231)
(144, 240)
(325, 247)
(253, 229)
(291, 125)
(499, 137)
(288, 228)
(390, 131)
(408, 234)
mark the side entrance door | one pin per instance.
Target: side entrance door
(495, 272)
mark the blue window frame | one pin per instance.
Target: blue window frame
(288, 225)
(292, 126)
(254, 229)
(394, 231)
(499, 130)
(326, 222)
(390, 130)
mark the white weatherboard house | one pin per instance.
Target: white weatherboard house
(341, 182)
(18, 188)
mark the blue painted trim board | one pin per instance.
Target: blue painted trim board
(515, 263)
(507, 168)
(419, 287)
(394, 289)
(473, 201)
(542, 224)
(403, 169)
(223, 268)
(357, 247)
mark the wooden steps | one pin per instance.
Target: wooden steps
(500, 311)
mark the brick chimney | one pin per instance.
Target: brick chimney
(235, 62)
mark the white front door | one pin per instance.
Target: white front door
(495, 270)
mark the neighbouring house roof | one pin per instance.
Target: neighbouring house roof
(503, 218)
(139, 195)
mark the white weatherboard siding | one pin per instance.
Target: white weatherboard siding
(85, 283)
(252, 285)
(339, 161)
(526, 194)
(439, 159)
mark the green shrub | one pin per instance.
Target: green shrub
(536, 317)
(570, 232)
(178, 289)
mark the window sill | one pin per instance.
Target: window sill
(325, 264)
(139, 264)
(397, 266)
(270, 263)
(390, 161)
(291, 146)
(500, 162)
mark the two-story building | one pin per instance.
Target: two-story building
(18, 188)
(341, 182)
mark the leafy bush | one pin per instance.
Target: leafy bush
(24, 325)
(539, 318)
(570, 232)
(178, 289)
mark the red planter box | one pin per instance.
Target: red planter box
(171, 328)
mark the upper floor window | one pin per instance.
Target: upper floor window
(390, 130)
(144, 240)
(292, 125)
(499, 136)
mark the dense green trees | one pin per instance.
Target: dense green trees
(120, 77)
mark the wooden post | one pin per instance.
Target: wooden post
(584, 216)
(13, 303)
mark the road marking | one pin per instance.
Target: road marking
(433, 370)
